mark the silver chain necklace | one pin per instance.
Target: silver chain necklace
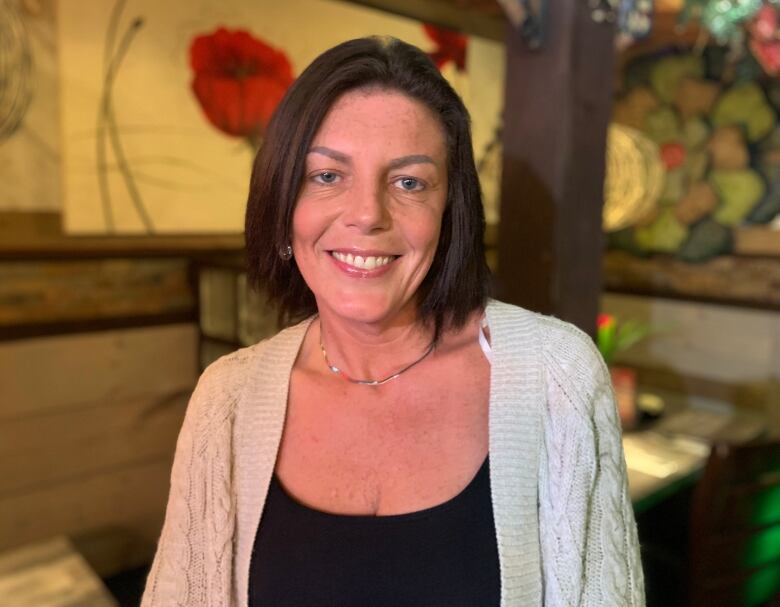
(370, 382)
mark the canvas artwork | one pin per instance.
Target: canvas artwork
(155, 138)
(29, 113)
(712, 124)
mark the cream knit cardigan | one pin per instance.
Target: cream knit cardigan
(564, 524)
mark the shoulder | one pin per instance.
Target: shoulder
(556, 340)
(570, 360)
(217, 391)
(569, 351)
(576, 377)
(229, 373)
(222, 384)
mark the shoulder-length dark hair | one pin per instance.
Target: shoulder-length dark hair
(457, 282)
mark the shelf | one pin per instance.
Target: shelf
(729, 280)
(39, 236)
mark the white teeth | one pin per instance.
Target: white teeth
(364, 263)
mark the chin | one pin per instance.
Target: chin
(367, 310)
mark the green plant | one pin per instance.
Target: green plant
(613, 336)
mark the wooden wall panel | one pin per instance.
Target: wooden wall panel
(42, 375)
(70, 445)
(88, 427)
(25, 235)
(130, 497)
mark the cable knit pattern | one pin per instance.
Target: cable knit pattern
(564, 524)
(590, 537)
(193, 561)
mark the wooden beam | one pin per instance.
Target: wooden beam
(728, 280)
(52, 293)
(39, 236)
(18, 226)
(94, 247)
(469, 20)
(95, 325)
(557, 107)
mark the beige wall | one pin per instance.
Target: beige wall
(722, 343)
(727, 353)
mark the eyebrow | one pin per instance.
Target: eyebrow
(337, 156)
(396, 163)
(403, 161)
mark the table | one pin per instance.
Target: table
(670, 454)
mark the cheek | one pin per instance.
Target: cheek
(299, 227)
(305, 232)
(425, 233)
(306, 225)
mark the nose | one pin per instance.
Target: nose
(367, 208)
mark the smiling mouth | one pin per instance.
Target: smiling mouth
(368, 262)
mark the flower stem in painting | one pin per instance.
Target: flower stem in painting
(100, 140)
(107, 121)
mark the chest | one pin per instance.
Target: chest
(356, 450)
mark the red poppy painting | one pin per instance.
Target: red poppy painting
(238, 81)
(451, 46)
(169, 102)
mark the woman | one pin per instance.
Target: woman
(409, 442)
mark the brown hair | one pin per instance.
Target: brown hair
(457, 281)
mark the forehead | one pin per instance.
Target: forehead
(381, 118)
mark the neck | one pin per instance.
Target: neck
(371, 351)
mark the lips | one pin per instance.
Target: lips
(364, 261)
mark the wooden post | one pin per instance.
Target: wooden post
(557, 107)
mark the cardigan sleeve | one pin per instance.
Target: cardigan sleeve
(194, 532)
(590, 550)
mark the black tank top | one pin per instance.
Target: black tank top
(446, 555)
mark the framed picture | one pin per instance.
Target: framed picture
(164, 104)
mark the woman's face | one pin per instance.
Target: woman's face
(368, 217)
